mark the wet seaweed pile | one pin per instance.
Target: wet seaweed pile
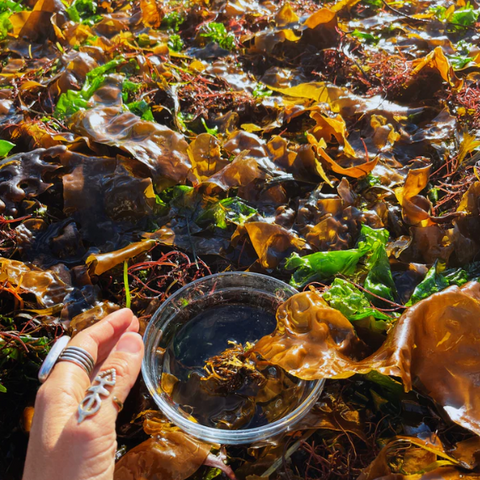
(333, 145)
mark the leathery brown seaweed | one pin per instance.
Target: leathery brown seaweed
(434, 347)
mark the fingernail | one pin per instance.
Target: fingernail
(130, 343)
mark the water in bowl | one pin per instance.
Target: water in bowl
(237, 390)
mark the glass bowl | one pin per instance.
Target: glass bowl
(166, 332)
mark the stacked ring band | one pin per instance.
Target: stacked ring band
(60, 352)
(78, 356)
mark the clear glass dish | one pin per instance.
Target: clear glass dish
(176, 316)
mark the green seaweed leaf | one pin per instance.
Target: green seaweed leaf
(142, 109)
(216, 32)
(173, 21)
(324, 265)
(365, 37)
(437, 279)
(81, 10)
(72, 101)
(175, 43)
(228, 210)
(351, 302)
(7, 8)
(211, 131)
(5, 147)
(379, 280)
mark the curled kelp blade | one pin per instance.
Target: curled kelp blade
(432, 347)
(169, 453)
(175, 456)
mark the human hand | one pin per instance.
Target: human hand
(60, 447)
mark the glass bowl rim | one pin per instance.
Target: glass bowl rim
(215, 435)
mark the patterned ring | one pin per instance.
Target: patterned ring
(80, 357)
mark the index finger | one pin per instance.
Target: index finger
(98, 340)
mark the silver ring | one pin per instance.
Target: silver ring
(52, 357)
(92, 402)
(80, 357)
